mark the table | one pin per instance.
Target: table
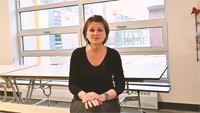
(54, 72)
(61, 72)
(49, 72)
(11, 68)
(140, 73)
(144, 72)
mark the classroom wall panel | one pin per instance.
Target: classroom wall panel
(5, 37)
(184, 68)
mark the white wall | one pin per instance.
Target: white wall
(184, 69)
(5, 37)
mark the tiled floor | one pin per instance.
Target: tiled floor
(123, 110)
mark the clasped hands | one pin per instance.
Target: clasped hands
(93, 99)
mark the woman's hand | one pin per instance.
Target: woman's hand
(92, 103)
(92, 96)
(91, 99)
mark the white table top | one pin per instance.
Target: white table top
(42, 72)
(21, 108)
(152, 72)
(11, 68)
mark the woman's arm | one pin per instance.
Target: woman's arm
(74, 72)
(112, 94)
(81, 94)
(118, 72)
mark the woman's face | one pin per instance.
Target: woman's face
(96, 33)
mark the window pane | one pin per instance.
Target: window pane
(50, 42)
(127, 10)
(148, 37)
(135, 60)
(50, 18)
(28, 3)
(49, 60)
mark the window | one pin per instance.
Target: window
(50, 42)
(127, 10)
(50, 18)
(47, 60)
(136, 38)
(51, 29)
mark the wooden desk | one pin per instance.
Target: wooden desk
(19, 108)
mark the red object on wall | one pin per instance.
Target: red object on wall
(194, 10)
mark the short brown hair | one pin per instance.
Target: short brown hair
(96, 18)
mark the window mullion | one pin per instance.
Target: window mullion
(138, 24)
(81, 22)
(46, 53)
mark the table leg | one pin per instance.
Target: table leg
(7, 80)
(20, 96)
(48, 95)
(27, 94)
(14, 93)
(5, 93)
(139, 104)
(127, 89)
(43, 88)
(33, 83)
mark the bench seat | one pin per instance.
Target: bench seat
(165, 89)
(58, 83)
(150, 83)
(148, 86)
(26, 82)
(45, 82)
(21, 108)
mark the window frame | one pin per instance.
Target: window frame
(78, 29)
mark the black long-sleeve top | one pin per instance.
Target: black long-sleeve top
(84, 76)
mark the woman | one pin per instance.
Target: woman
(93, 69)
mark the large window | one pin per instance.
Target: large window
(47, 60)
(127, 10)
(50, 18)
(50, 42)
(136, 38)
(49, 30)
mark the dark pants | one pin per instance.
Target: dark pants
(110, 106)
